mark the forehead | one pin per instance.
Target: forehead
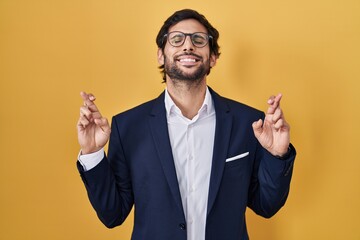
(188, 26)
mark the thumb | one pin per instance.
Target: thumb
(103, 124)
(257, 127)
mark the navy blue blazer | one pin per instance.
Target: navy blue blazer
(139, 170)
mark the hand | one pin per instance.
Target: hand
(93, 129)
(274, 133)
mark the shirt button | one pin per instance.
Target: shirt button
(182, 226)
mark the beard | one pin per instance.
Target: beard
(175, 73)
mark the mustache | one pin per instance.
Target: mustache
(188, 54)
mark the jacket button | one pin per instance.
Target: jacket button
(182, 226)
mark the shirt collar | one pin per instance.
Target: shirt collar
(207, 106)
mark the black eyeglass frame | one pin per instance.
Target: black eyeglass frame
(208, 38)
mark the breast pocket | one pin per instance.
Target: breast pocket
(237, 170)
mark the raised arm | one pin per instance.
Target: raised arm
(273, 169)
(112, 199)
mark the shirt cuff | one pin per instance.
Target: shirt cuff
(89, 161)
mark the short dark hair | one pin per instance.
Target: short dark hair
(179, 16)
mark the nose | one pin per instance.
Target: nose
(188, 45)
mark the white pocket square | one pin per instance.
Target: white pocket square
(237, 157)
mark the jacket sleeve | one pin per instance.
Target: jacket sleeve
(270, 183)
(109, 185)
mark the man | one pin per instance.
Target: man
(190, 161)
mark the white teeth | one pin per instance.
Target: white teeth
(187, 60)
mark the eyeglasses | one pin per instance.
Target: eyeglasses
(198, 39)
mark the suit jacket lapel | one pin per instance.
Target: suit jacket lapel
(159, 129)
(221, 143)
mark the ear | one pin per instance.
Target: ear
(213, 60)
(160, 56)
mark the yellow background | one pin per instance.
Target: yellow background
(51, 50)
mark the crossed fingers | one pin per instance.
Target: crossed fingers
(89, 111)
(274, 112)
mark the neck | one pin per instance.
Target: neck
(188, 97)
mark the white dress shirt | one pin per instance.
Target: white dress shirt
(192, 143)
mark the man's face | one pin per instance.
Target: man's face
(187, 62)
